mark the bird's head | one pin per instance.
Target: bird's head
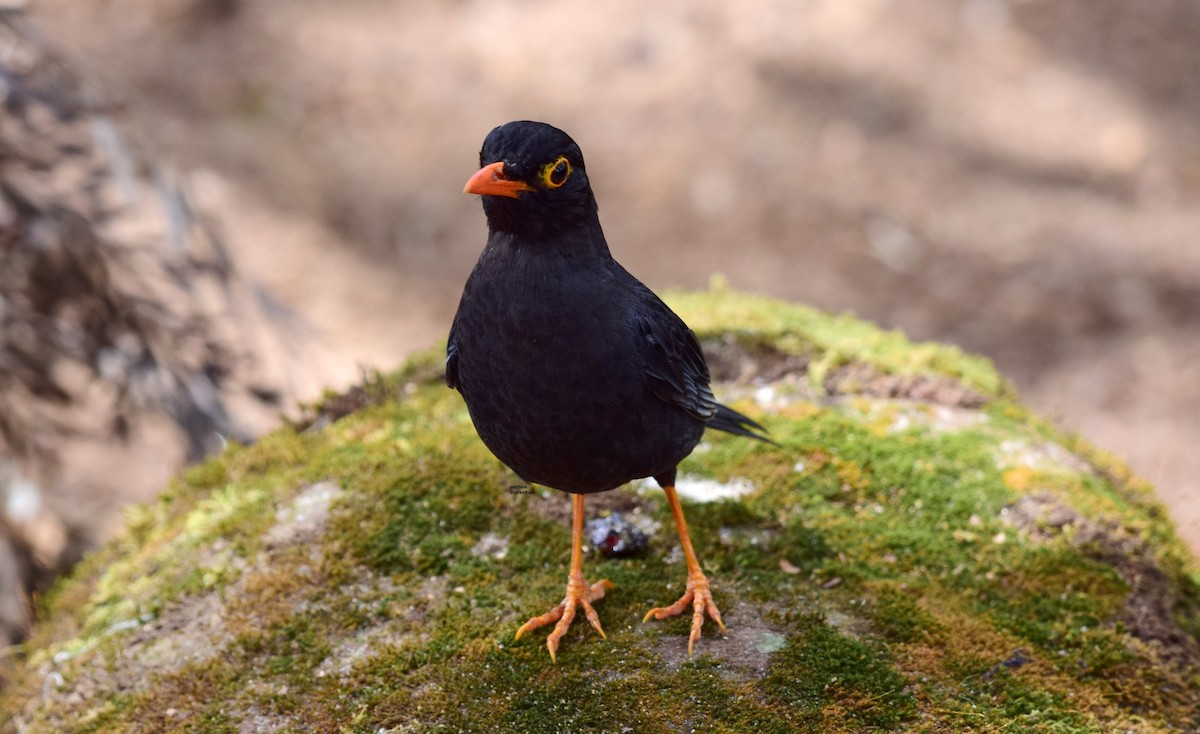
(533, 181)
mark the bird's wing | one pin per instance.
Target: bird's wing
(452, 357)
(674, 363)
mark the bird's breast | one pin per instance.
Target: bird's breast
(523, 328)
(549, 366)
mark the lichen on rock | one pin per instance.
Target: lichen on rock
(919, 553)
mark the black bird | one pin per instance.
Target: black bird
(575, 374)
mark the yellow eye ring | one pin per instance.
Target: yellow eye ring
(555, 174)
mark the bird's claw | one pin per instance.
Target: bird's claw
(699, 596)
(579, 593)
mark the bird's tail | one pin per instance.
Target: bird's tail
(729, 420)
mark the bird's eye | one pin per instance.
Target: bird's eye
(556, 173)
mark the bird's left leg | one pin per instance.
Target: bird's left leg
(697, 594)
(579, 592)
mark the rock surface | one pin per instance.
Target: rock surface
(920, 553)
(128, 338)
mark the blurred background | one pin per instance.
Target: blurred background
(1018, 177)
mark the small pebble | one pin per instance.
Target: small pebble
(616, 537)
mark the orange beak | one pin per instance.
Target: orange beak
(490, 181)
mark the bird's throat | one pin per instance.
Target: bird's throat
(578, 245)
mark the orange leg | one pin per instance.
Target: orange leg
(697, 593)
(579, 593)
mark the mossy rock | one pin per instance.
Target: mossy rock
(919, 553)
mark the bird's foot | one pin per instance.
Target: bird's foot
(700, 597)
(579, 593)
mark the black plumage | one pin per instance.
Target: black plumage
(576, 375)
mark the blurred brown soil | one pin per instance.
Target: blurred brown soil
(1021, 177)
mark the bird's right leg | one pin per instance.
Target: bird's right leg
(579, 592)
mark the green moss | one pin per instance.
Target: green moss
(822, 672)
(1002, 695)
(830, 341)
(878, 548)
(897, 617)
(1053, 596)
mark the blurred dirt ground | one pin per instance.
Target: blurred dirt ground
(1020, 177)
